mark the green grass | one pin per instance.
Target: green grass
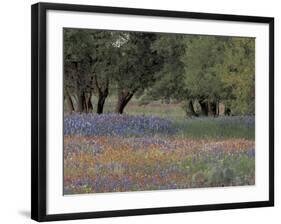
(213, 128)
(172, 111)
(192, 127)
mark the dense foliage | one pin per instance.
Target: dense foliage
(202, 72)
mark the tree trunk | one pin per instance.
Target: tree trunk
(227, 111)
(81, 103)
(218, 108)
(103, 93)
(69, 102)
(123, 100)
(204, 107)
(213, 108)
(90, 104)
(101, 101)
(191, 109)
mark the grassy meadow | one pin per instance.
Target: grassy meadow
(156, 147)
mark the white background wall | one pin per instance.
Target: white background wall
(15, 110)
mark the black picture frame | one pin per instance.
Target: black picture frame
(39, 122)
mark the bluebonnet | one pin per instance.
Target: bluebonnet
(116, 125)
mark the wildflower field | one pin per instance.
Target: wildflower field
(116, 153)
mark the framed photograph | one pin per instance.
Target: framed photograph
(140, 111)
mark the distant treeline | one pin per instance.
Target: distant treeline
(200, 71)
